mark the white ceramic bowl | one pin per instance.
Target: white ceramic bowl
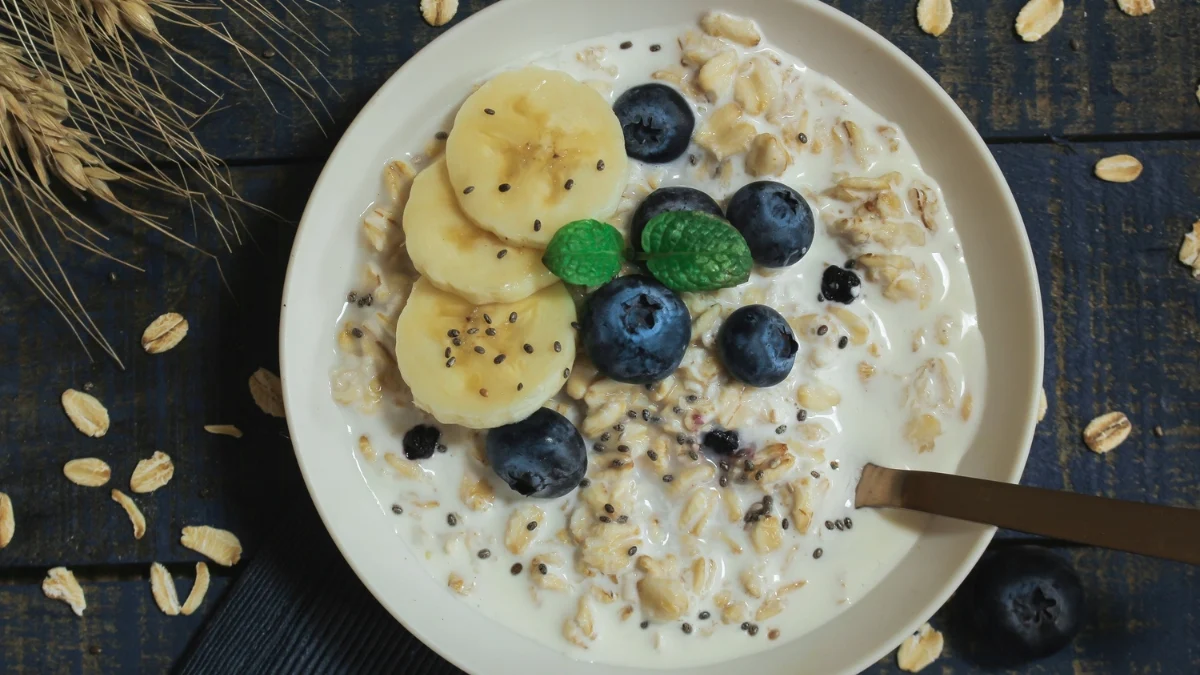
(408, 108)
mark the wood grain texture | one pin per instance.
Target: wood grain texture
(1097, 73)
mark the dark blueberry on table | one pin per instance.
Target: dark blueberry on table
(775, 221)
(662, 200)
(657, 122)
(636, 330)
(541, 456)
(840, 285)
(757, 346)
(721, 441)
(1023, 603)
(420, 441)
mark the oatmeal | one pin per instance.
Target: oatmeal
(711, 515)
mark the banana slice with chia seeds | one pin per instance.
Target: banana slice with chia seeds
(484, 366)
(533, 150)
(459, 257)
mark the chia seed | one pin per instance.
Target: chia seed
(453, 332)
(773, 634)
(632, 551)
(618, 427)
(441, 135)
(849, 523)
(802, 137)
(520, 386)
(605, 519)
(627, 45)
(623, 519)
(505, 187)
(691, 398)
(528, 349)
(652, 455)
(723, 481)
(818, 553)
(645, 415)
(468, 190)
(752, 630)
(487, 318)
(785, 524)
(503, 252)
(512, 318)
(489, 111)
(357, 332)
(452, 520)
(687, 628)
(680, 439)
(802, 415)
(704, 615)
(829, 524)
(472, 331)
(814, 473)
(745, 625)
(693, 455)
(655, 419)
(668, 478)
(622, 448)
(677, 410)
(838, 524)
(450, 362)
(516, 569)
(569, 184)
(441, 447)
(566, 373)
(491, 332)
(537, 226)
(600, 165)
(843, 341)
(351, 297)
(585, 482)
(576, 325)
(483, 392)
(781, 428)
(608, 508)
(655, 48)
(447, 353)
(479, 349)
(632, 415)
(499, 359)
(822, 329)
(484, 554)
(616, 464)
(834, 465)
(542, 569)
(397, 509)
(531, 525)
(557, 346)
(644, 625)
(606, 437)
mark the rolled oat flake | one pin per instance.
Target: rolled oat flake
(1107, 432)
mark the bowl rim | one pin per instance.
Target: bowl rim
(289, 363)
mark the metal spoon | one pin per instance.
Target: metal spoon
(1147, 529)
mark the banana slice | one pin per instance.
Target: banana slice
(503, 384)
(456, 256)
(533, 150)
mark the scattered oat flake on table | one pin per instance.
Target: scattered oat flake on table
(8, 522)
(151, 474)
(86, 413)
(135, 514)
(87, 471)
(1037, 17)
(438, 12)
(1042, 404)
(1136, 7)
(267, 391)
(1107, 432)
(1189, 252)
(60, 584)
(162, 586)
(220, 546)
(223, 430)
(1119, 169)
(934, 16)
(164, 333)
(199, 589)
(920, 649)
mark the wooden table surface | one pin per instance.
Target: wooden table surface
(1122, 322)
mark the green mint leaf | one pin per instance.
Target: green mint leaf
(585, 252)
(695, 251)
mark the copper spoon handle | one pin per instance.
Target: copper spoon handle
(1147, 529)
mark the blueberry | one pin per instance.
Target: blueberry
(1023, 603)
(635, 329)
(775, 220)
(667, 199)
(721, 441)
(840, 285)
(657, 123)
(541, 456)
(420, 441)
(757, 346)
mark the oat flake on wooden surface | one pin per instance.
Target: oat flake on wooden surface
(267, 391)
(1107, 432)
(60, 584)
(1136, 7)
(220, 546)
(1037, 17)
(151, 474)
(87, 471)
(199, 589)
(1189, 251)
(934, 16)
(8, 521)
(920, 650)
(162, 587)
(223, 430)
(438, 12)
(164, 333)
(87, 414)
(1119, 169)
(131, 509)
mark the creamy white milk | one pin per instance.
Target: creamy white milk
(867, 425)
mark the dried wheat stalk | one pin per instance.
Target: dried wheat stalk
(93, 94)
